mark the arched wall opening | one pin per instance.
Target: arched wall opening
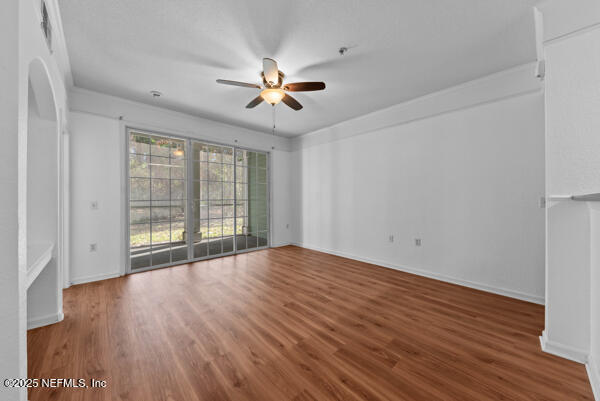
(44, 293)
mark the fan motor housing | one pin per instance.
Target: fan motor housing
(279, 81)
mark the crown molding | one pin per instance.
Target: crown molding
(563, 20)
(167, 120)
(59, 43)
(506, 84)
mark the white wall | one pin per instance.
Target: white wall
(466, 178)
(97, 174)
(96, 160)
(281, 198)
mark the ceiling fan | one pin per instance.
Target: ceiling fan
(273, 89)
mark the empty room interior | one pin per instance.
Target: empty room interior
(280, 200)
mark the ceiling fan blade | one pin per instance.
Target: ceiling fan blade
(290, 101)
(238, 83)
(270, 71)
(255, 102)
(304, 86)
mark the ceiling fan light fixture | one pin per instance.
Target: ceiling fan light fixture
(272, 96)
(273, 90)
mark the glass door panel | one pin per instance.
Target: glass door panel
(157, 200)
(213, 189)
(252, 224)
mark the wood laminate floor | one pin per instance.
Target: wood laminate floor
(294, 324)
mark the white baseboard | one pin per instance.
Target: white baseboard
(419, 272)
(280, 244)
(593, 371)
(44, 320)
(564, 351)
(97, 277)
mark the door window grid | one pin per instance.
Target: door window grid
(214, 199)
(157, 200)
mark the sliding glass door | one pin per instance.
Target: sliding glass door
(191, 200)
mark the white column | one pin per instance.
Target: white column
(572, 95)
(13, 358)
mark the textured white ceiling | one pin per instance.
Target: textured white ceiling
(400, 49)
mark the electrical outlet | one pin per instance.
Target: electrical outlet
(417, 241)
(93, 247)
(94, 205)
(391, 238)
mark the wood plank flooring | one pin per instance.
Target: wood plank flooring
(294, 324)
